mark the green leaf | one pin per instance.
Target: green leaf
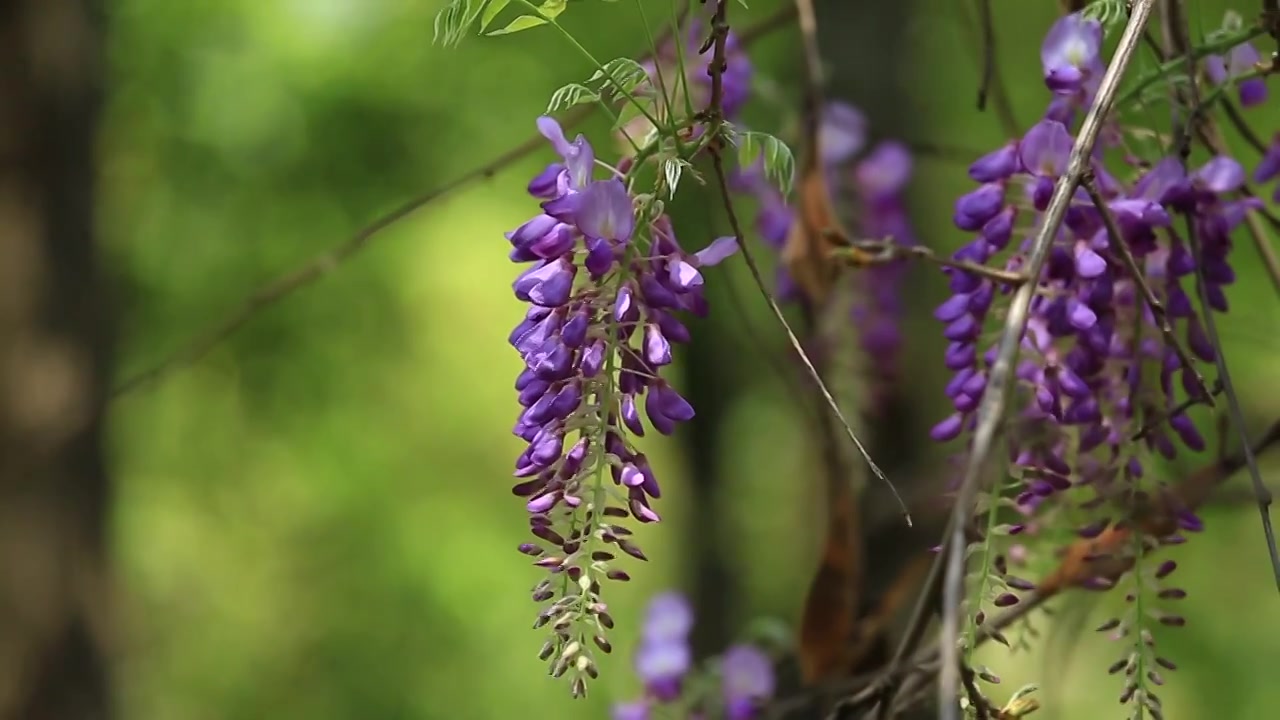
(570, 95)
(1108, 12)
(452, 22)
(624, 74)
(551, 9)
(779, 163)
(524, 22)
(491, 11)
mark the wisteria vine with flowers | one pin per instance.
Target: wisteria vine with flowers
(1097, 232)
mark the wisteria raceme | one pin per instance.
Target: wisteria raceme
(606, 282)
(873, 190)
(664, 662)
(1096, 370)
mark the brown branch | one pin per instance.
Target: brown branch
(321, 265)
(861, 253)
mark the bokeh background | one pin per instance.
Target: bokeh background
(314, 521)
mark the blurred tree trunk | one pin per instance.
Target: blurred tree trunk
(54, 488)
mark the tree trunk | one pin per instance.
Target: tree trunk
(54, 488)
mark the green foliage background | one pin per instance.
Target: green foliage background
(314, 521)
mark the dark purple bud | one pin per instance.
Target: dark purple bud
(1005, 600)
(960, 356)
(600, 257)
(999, 229)
(975, 208)
(1269, 167)
(953, 308)
(574, 332)
(964, 328)
(947, 430)
(655, 293)
(999, 164)
(1165, 568)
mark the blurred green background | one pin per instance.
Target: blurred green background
(315, 520)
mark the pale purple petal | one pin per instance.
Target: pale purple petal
(719, 249)
(605, 211)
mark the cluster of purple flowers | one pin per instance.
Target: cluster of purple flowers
(599, 329)
(1090, 332)
(872, 192)
(664, 661)
(1096, 370)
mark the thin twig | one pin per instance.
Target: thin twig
(1153, 302)
(1242, 126)
(992, 82)
(977, 700)
(1271, 16)
(1172, 412)
(987, 25)
(991, 409)
(814, 82)
(321, 265)
(714, 116)
(873, 252)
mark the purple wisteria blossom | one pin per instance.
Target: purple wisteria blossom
(1099, 388)
(747, 681)
(604, 291)
(664, 664)
(1237, 66)
(1072, 60)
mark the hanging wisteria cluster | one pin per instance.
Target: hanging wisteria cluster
(1103, 384)
(607, 283)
